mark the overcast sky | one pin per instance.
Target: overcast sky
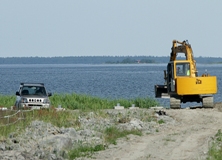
(48, 28)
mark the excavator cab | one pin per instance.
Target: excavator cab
(174, 69)
(182, 69)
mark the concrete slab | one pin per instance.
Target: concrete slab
(118, 107)
(159, 107)
(133, 107)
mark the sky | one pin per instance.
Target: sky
(52, 28)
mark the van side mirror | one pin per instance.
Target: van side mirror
(17, 93)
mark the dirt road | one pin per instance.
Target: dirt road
(187, 139)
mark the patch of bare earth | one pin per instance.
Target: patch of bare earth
(187, 139)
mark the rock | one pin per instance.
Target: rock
(133, 107)
(136, 124)
(2, 147)
(157, 108)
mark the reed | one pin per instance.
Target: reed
(80, 101)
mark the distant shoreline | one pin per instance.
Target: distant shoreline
(102, 60)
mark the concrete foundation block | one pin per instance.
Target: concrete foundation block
(118, 107)
(133, 107)
(155, 108)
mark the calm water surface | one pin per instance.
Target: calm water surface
(105, 81)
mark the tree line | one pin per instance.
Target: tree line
(98, 60)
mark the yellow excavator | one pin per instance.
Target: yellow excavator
(182, 83)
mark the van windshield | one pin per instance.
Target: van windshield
(33, 90)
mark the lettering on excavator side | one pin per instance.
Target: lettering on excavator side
(198, 81)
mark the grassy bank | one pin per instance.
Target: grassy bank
(63, 119)
(68, 101)
(19, 120)
(78, 101)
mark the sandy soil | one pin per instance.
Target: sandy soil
(187, 139)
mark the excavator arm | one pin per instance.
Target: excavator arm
(184, 47)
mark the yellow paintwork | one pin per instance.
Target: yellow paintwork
(190, 84)
(196, 85)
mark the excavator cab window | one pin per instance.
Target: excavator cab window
(183, 69)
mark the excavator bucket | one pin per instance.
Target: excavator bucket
(161, 91)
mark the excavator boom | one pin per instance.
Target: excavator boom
(185, 48)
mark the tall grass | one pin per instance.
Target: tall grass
(81, 101)
(78, 101)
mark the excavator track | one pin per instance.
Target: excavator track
(174, 103)
(207, 102)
